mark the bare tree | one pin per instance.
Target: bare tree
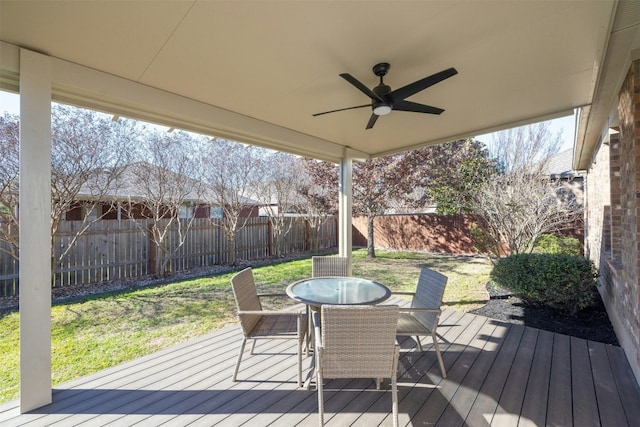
(318, 189)
(525, 149)
(163, 190)
(232, 170)
(277, 194)
(84, 144)
(517, 208)
(522, 202)
(9, 177)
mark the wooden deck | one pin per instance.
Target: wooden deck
(499, 374)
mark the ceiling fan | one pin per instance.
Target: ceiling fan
(383, 99)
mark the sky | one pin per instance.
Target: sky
(10, 102)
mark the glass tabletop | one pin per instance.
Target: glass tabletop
(338, 290)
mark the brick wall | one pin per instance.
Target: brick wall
(429, 232)
(613, 221)
(424, 232)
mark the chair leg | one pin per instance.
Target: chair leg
(309, 329)
(435, 344)
(394, 400)
(394, 387)
(235, 372)
(300, 361)
(320, 396)
(253, 346)
(419, 343)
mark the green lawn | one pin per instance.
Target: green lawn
(98, 332)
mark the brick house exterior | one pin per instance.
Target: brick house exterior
(120, 198)
(612, 217)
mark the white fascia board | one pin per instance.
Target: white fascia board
(9, 67)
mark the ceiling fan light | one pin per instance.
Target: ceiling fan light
(381, 110)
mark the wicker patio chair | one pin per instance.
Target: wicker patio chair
(258, 324)
(356, 342)
(423, 315)
(326, 266)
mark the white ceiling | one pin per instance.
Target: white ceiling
(259, 69)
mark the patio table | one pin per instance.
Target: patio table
(317, 291)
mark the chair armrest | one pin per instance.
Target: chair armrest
(278, 294)
(423, 310)
(403, 293)
(270, 313)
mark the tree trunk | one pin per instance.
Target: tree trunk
(371, 251)
(232, 250)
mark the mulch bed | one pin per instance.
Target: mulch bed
(591, 324)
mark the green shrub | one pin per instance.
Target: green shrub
(550, 244)
(564, 282)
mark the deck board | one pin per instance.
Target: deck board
(461, 402)
(534, 406)
(498, 374)
(585, 408)
(486, 402)
(513, 392)
(625, 381)
(609, 405)
(457, 360)
(559, 405)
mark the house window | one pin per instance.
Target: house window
(91, 213)
(185, 211)
(80, 212)
(216, 212)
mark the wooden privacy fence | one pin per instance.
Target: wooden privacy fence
(123, 249)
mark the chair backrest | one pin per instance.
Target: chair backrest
(246, 295)
(358, 341)
(429, 293)
(327, 266)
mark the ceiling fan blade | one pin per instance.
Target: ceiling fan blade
(341, 109)
(372, 121)
(415, 87)
(363, 88)
(416, 108)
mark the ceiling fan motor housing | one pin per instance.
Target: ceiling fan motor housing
(381, 90)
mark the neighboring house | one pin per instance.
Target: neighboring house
(121, 201)
(271, 208)
(560, 168)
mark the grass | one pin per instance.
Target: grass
(101, 331)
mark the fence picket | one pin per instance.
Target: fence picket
(121, 249)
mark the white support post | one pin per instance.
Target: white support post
(345, 203)
(35, 230)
